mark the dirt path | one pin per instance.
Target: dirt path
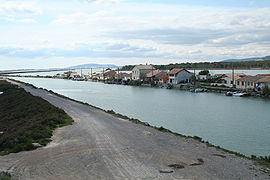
(100, 146)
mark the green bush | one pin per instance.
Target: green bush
(26, 119)
(5, 176)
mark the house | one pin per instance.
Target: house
(162, 78)
(127, 77)
(203, 75)
(247, 82)
(109, 72)
(151, 75)
(71, 74)
(230, 79)
(179, 75)
(262, 82)
(139, 71)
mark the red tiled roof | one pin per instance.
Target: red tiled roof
(162, 76)
(250, 78)
(177, 70)
(152, 73)
(264, 79)
(129, 75)
(263, 75)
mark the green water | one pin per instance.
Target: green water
(235, 123)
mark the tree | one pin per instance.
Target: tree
(204, 72)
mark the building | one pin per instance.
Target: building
(262, 82)
(203, 75)
(71, 74)
(178, 75)
(151, 75)
(139, 71)
(230, 79)
(247, 82)
(162, 78)
(127, 77)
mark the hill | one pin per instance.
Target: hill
(85, 66)
(266, 58)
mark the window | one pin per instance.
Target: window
(238, 83)
(231, 82)
(248, 83)
(251, 83)
(242, 83)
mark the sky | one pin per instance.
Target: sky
(62, 33)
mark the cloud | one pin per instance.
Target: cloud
(138, 30)
(102, 1)
(14, 8)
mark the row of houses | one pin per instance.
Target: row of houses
(149, 73)
(242, 81)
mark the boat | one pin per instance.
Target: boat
(238, 94)
(229, 93)
(198, 90)
(168, 86)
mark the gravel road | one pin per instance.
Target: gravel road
(101, 146)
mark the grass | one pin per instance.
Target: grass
(26, 119)
(263, 161)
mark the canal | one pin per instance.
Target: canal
(240, 124)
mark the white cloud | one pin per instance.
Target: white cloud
(11, 8)
(102, 1)
(139, 31)
(27, 20)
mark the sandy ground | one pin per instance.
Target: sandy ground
(101, 146)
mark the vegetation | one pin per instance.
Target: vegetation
(204, 72)
(26, 119)
(210, 65)
(264, 161)
(5, 176)
(265, 91)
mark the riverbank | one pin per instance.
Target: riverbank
(102, 146)
(205, 87)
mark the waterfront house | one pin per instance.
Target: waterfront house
(179, 75)
(108, 72)
(127, 77)
(203, 75)
(247, 82)
(230, 79)
(262, 82)
(139, 71)
(71, 74)
(162, 78)
(151, 75)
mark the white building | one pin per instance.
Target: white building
(230, 79)
(179, 75)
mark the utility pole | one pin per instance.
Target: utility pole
(194, 77)
(118, 74)
(232, 76)
(103, 75)
(91, 74)
(152, 74)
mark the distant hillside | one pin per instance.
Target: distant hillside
(266, 58)
(84, 66)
